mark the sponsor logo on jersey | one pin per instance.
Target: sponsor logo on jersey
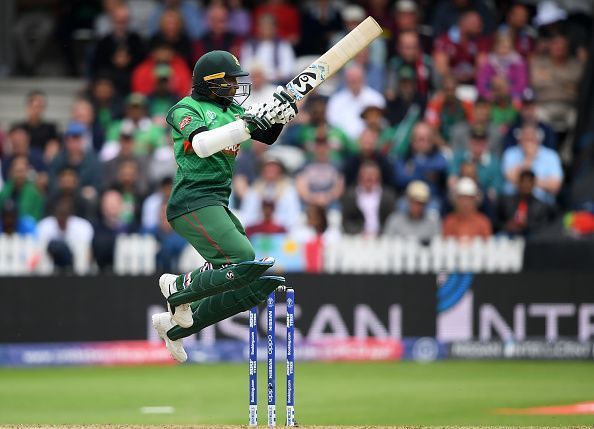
(231, 150)
(211, 115)
(185, 121)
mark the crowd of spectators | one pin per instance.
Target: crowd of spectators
(458, 122)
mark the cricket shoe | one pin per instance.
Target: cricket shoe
(162, 323)
(181, 314)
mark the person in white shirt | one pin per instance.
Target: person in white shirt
(276, 55)
(261, 88)
(345, 107)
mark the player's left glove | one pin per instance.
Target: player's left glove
(284, 104)
(259, 116)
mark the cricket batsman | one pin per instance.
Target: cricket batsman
(208, 128)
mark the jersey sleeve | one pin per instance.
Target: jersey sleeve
(186, 122)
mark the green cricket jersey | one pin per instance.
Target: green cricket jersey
(199, 182)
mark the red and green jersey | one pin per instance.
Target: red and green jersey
(199, 182)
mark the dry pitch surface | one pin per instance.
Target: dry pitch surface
(248, 427)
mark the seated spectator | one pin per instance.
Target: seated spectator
(11, 223)
(61, 231)
(276, 55)
(374, 117)
(523, 214)
(402, 113)
(128, 184)
(322, 20)
(172, 32)
(407, 19)
(555, 79)
(285, 15)
(162, 98)
(118, 52)
(68, 187)
(18, 144)
(145, 77)
(506, 63)
(267, 225)
(411, 57)
(83, 112)
(528, 116)
(316, 229)
(488, 169)
(240, 19)
(108, 105)
(445, 109)
(466, 222)
(320, 182)
(375, 74)
(447, 13)
(366, 206)
(317, 127)
(148, 135)
(23, 191)
(418, 221)
(152, 205)
(111, 222)
(217, 36)
(368, 151)
(531, 155)
(43, 136)
(190, 11)
(345, 106)
(272, 184)
(481, 118)
(516, 23)
(74, 156)
(461, 50)
(504, 110)
(424, 162)
(261, 88)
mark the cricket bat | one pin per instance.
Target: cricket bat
(334, 59)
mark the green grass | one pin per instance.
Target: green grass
(401, 393)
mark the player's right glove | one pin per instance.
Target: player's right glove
(259, 116)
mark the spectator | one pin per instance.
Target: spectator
(410, 57)
(373, 116)
(424, 162)
(152, 205)
(320, 182)
(407, 20)
(317, 127)
(504, 110)
(140, 12)
(148, 136)
(487, 167)
(322, 19)
(63, 233)
(239, 18)
(481, 118)
(126, 154)
(73, 155)
(275, 55)
(523, 214)
(366, 206)
(83, 112)
(23, 191)
(108, 105)
(218, 37)
(345, 107)
(11, 223)
(111, 223)
(402, 113)
(531, 155)
(528, 116)
(145, 77)
(267, 225)
(272, 184)
(555, 78)
(369, 152)
(445, 109)
(190, 12)
(171, 32)
(261, 88)
(315, 232)
(119, 52)
(517, 24)
(466, 222)
(505, 63)
(128, 184)
(43, 135)
(375, 74)
(162, 98)
(462, 49)
(417, 222)
(285, 15)
(68, 186)
(18, 144)
(447, 13)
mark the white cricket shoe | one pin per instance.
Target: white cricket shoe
(162, 323)
(182, 314)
